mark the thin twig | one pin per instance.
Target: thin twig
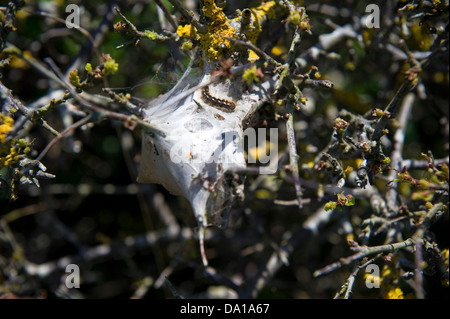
(293, 158)
(348, 286)
(12, 49)
(365, 251)
(140, 34)
(167, 14)
(82, 99)
(94, 41)
(274, 263)
(16, 104)
(412, 164)
(396, 154)
(94, 253)
(293, 155)
(258, 51)
(66, 131)
(418, 273)
(391, 109)
(189, 18)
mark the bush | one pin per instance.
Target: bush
(357, 207)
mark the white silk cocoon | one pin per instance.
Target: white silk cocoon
(195, 143)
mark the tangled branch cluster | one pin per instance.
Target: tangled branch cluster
(362, 175)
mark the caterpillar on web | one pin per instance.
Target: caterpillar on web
(220, 104)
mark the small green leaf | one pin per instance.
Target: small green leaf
(151, 35)
(88, 67)
(250, 75)
(350, 201)
(111, 66)
(330, 206)
(444, 169)
(426, 195)
(74, 78)
(187, 45)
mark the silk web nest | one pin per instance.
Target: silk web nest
(195, 146)
(197, 142)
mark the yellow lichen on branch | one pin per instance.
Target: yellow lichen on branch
(6, 125)
(10, 150)
(221, 29)
(188, 31)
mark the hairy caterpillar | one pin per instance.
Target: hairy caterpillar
(220, 104)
